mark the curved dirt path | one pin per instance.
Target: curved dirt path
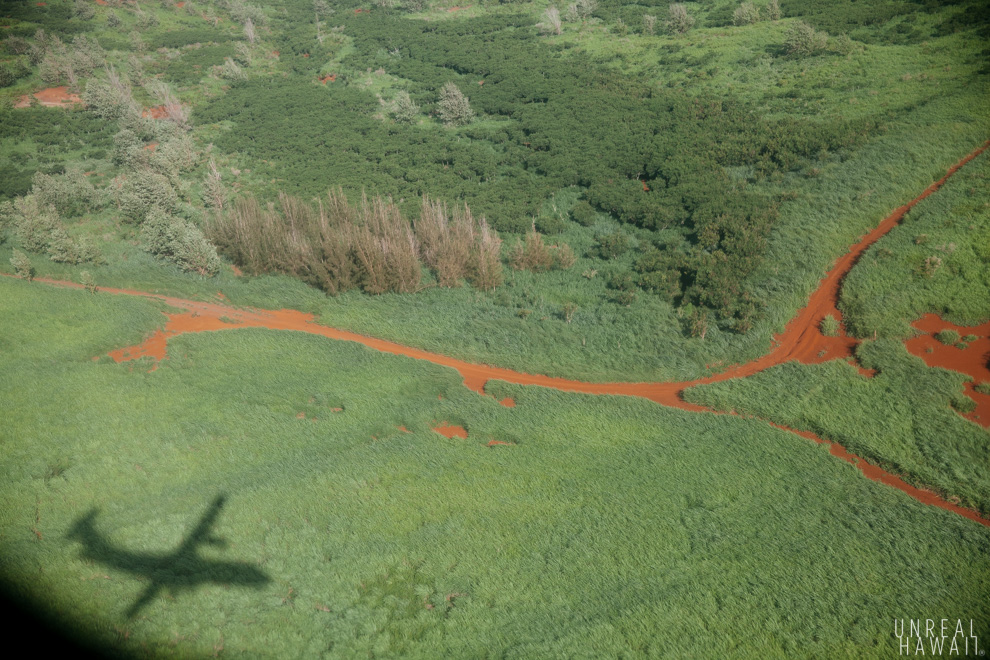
(801, 340)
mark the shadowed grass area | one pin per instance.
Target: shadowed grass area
(611, 526)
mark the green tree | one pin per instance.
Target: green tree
(453, 107)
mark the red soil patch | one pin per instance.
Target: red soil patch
(156, 112)
(180, 5)
(508, 402)
(403, 429)
(974, 360)
(41, 4)
(451, 431)
(237, 271)
(646, 188)
(362, 11)
(275, 53)
(102, 3)
(53, 97)
(492, 443)
(305, 55)
(332, 77)
(151, 147)
(801, 340)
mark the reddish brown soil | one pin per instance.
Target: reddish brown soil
(974, 360)
(180, 5)
(275, 53)
(53, 97)
(801, 340)
(151, 147)
(332, 77)
(493, 443)
(451, 431)
(101, 2)
(156, 112)
(508, 402)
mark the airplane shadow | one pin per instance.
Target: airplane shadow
(181, 569)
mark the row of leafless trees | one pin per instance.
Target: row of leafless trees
(338, 246)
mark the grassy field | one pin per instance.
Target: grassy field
(611, 526)
(275, 494)
(904, 417)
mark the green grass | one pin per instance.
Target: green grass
(891, 286)
(612, 526)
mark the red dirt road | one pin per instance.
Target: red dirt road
(801, 340)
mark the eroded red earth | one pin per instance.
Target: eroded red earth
(968, 357)
(53, 97)
(801, 340)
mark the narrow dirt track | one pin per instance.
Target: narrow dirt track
(801, 340)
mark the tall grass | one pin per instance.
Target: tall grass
(611, 527)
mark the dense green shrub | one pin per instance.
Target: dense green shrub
(803, 40)
(949, 337)
(583, 213)
(22, 265)
(179, 242)
(830, 326)
(611, 245)
(550, 224)
(143, 191)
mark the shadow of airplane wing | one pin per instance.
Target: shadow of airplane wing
(146, 597)
(201, 533)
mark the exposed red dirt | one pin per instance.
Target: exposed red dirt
(493, 443)
(801, 340)
(332, 77)
(451, 431)
(180, 5)
(508, 402)
(156, 112)
(151, 147)
(973, 360)
(102, 3)
(53, 97)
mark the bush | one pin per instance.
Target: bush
(949, 337)
(983, 388)
(678, 20)
(402, 108)
(231, 71)
(746, 14)
(563, 257)
(179, 242)
(144, 191)
(70, 193)
(611, 245)
(584, 214)
(453, 107)
(803, 40)
(550, 224)
(109, 99)
(532, 254)
(22, 265)
(830, 326)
